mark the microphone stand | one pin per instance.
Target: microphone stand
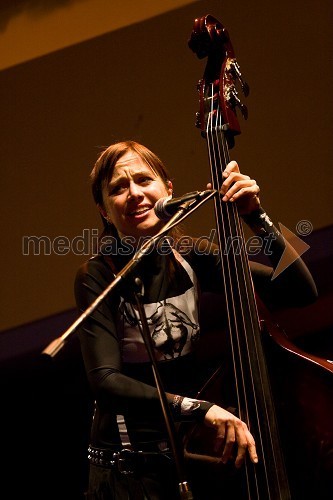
(54, 347)
(177, 452)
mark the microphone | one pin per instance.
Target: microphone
(166, 207)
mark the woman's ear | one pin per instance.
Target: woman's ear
(169, 188)
(103, 213)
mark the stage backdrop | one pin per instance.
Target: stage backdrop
(61, 109)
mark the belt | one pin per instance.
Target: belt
(127, 461)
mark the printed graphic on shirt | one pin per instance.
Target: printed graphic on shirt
(173, 325)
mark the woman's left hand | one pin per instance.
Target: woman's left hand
(239, 188)
(231, 432)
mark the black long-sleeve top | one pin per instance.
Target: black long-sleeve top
(117, 366)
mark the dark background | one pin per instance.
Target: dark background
(59, 110)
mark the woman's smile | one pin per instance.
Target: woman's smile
(139, 212)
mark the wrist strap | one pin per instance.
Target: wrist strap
(259, 222)
(190, 409)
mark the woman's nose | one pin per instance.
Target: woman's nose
(134, 191)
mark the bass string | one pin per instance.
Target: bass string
(235, 270)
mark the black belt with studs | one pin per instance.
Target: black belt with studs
(127, 461)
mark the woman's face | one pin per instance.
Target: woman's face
(130, 196)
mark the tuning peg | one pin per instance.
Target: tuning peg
(199, 85)
(235, 70)
(234, 101)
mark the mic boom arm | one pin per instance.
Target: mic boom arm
(56, 345)
(166, 207)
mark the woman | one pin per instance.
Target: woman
(127, 180)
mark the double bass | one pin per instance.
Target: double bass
(284, 394)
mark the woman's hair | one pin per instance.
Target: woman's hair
(104, 167)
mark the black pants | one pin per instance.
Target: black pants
(109, 484)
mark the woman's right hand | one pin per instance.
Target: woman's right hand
(231, 432)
